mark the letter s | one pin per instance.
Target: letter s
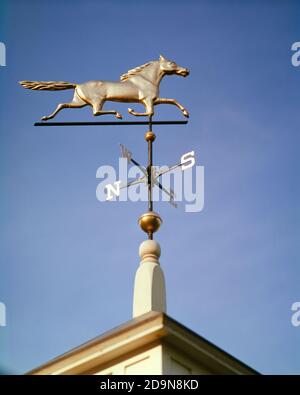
(187, 160)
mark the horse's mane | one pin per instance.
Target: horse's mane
(132, 72)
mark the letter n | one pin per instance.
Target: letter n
(113, 189)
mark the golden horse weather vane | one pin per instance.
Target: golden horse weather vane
(138, 85)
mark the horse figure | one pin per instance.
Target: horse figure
(139, 85)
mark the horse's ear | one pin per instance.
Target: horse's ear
(162, 58)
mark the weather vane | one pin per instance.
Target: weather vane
(138, 85)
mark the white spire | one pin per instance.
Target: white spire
(149, 284)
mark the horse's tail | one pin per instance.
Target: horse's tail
(47, 85)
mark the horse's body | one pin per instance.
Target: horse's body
(139, 85)
(126, 91)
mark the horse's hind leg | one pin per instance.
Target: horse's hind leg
(97, 109)
(76, 103)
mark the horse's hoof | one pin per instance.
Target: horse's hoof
(118, 115)
(130, 110)
(45, 118)
(185, 113)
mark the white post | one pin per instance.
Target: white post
(149, 284)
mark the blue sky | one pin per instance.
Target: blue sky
(68, 261)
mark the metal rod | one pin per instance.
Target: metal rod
(149, 169)
(124, 123)
(151, 123)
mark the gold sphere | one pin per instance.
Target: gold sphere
(150, 222)
(150, 136)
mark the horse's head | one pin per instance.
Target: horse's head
(170, 67)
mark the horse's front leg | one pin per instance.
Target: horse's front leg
(148, 103)
(160, 100)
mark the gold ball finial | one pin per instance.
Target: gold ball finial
(150, 222)
(150, 136)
